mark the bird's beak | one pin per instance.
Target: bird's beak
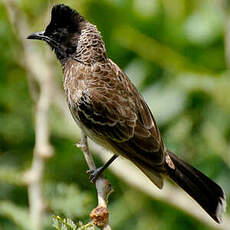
(38, 36)
(41, 36)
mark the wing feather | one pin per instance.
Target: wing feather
(119, 114)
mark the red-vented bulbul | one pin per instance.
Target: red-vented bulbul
(111, 111)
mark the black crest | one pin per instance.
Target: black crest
(63, 16)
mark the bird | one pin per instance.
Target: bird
(111, 111)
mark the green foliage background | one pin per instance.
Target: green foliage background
(175, 52)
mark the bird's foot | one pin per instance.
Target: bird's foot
(94, 174)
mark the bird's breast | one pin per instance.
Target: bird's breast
(74, 81)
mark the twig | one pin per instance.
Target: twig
(84, 147)
(100, 214)
(42, 151)
(39, 72)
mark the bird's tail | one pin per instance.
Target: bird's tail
(207, 193)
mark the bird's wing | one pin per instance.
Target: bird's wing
(113, 109)
(106, 116)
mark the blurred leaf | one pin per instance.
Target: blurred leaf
(67, 224)
(154, 50)
(18, 214)
(165, 102)
(68, 200)
(146, 8)
(136, 70)
(218, 87)
(205, 25)
(11, 175)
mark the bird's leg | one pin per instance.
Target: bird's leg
(95, 173)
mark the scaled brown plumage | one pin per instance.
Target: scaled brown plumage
(111, 111)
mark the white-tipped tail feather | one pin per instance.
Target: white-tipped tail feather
(221, 208)
(203, 190)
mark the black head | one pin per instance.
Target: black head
(63, 31)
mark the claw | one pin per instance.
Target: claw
(94, 174)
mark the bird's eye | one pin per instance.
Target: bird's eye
(60, 34)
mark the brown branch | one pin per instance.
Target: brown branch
(38, 71)
(100, 214)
